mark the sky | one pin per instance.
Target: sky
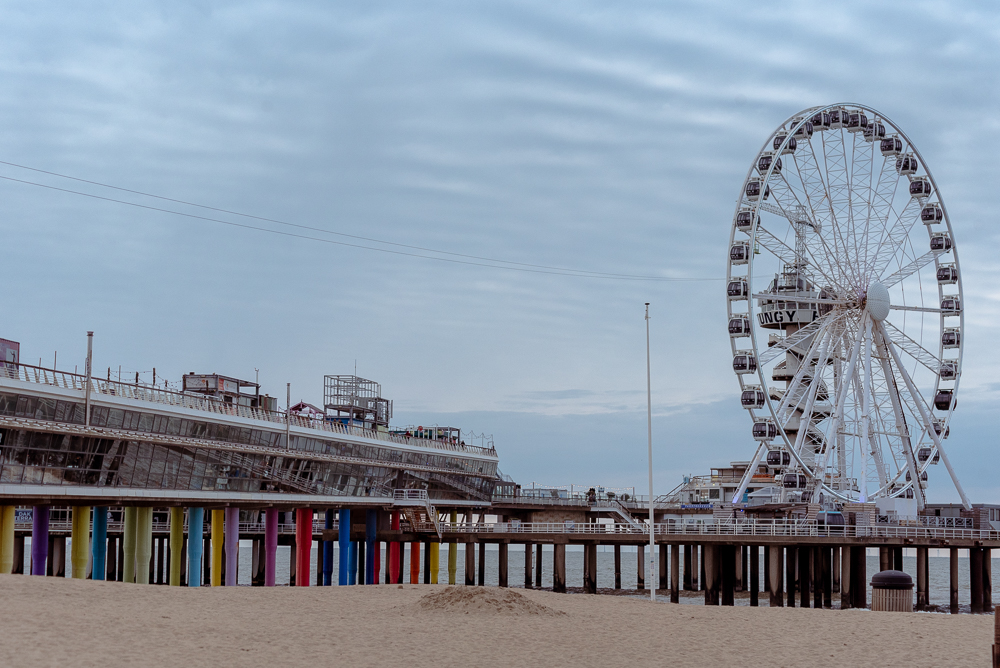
(601, 137)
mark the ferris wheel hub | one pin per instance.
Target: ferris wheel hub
(877, 301)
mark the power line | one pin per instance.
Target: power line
(481, 261)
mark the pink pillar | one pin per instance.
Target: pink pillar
(270, 544)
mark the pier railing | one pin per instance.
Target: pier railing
(775, 528)
(140, 392)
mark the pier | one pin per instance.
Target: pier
(152, 486)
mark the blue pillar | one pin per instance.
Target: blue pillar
(196, 533)
(370, 525)
(328, 553)
(39, 539)
(344, 539)
(352, 573)
(99, 542)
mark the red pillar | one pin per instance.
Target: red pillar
(394, 550)
(414, 563)
(303, 545)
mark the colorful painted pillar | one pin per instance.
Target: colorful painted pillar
(394, 556)
(6, 540)
(414, 563)
(434, 549)
(128, 545)
(371, 553)
(232, 546)
(270, 544)
(196, 532)
(352, 563)
(453, 553)
(344, 542)
(218, 540)
(328, 551)
(143, 543)
(176, 545)
(99, 543)
(303, 540)
(81, 542)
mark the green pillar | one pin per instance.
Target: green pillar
(128, 545)
(143, 543)
(81, 542)
(453, 553)
(176, 545)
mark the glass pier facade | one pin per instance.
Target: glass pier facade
(145, 447)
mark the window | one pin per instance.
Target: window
(713, 493)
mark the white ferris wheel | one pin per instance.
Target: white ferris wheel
(845, 310)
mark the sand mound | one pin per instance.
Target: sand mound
(489, 600)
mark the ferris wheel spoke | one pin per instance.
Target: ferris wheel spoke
(878, 214)
(792, 393)
(910, 268)
(832, 435)
(924, 414)
(912, 348)
(895, 237)
(789, 342)
(921, 309)
(900, 418)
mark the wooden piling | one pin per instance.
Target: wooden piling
(826, 567)
(790, 558)
(754, 554)
(482, 565)
(675, 553)
(775, 561)
(805, 575)
(538, 567)
(528, 581)
(845, 578)
(987, 580)
(470, 564)
(502, 565)
(859, 577)
(835, 570)
(953, 594)
(559, 568)
(640, 567)
(922, 578)
(663, 549)
(729, 562)
(976, 578)
(618, 566)
(687, 568)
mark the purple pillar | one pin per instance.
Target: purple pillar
(232, 545)
(39, 539)
(270, 544)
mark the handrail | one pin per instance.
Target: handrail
(64, 379)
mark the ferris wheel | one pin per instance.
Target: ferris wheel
(845, 311)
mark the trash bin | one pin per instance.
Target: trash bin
(892, 591)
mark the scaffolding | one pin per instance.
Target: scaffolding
(356, 401)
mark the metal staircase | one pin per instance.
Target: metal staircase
(417, 509)
(616, 506)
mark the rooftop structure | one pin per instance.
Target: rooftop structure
(356, 401)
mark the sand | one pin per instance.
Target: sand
(70, 623)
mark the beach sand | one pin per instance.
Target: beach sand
(71, 623)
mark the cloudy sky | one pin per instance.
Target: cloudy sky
(606, 138)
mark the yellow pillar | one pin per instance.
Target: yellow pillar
(435, 549)
(81, 542)
(176, 545)
(453, 552)
(218, 538)
(128, 545)
(143, 544)
(6, 539)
